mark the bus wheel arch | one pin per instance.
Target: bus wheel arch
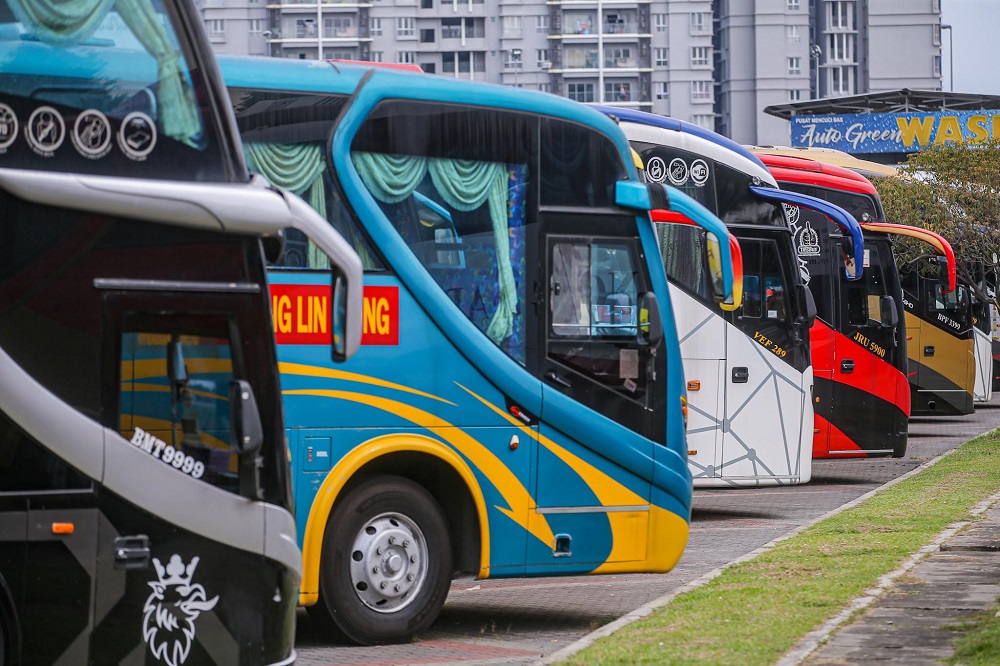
(386, 565)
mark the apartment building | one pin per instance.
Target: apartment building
(781, 51)
(716, 63)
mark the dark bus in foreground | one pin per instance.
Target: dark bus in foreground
(145, 492)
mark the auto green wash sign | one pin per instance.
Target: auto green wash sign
(893, 132)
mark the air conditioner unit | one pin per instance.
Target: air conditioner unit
(545, 64)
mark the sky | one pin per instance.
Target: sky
(976, 30)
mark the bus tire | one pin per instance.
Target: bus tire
(386, 563)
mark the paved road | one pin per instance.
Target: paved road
(518, 621)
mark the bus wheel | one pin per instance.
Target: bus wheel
(386, 563)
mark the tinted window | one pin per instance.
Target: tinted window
(174, 402)
(116, 98)
(50, 310)
(682, 249)
(453, 181)
(286, 138)
(579, 167)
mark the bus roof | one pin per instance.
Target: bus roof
(666, 122)
(286, 75)
(403, 67)
(810, 172)
(831, 156)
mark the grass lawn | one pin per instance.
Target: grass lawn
(756, 611)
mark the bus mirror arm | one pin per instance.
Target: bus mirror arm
(244, 418)
(853, 264)
(273, 246)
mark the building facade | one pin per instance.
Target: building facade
(716, 63)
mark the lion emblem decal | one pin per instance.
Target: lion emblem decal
(171, 610)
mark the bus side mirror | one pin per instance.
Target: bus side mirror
(889, 314)
(244, 418)
(713, 258)
(650, 324)
(338, 315)
(807, 306)
(942, 270)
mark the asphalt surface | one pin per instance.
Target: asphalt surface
(521, 621)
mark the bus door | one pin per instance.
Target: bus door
(869, 328)
(942, 368)
(982, 324)
(761, 400)
(594, 354)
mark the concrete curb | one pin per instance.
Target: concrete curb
(646, 609)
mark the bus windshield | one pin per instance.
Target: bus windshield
(111, 91)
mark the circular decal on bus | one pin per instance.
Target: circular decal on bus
(137, 136)
(45, 131)
(699, 172)
(656, 170)
(92, 134)
(678, 172)
(8, 127)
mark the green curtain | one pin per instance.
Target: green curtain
(68, 22)
(465, 185)
(297, 167)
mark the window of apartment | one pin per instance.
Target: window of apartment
(706, 120)
(794, 66)
(619, 57)
(701, 22)
(580, 57)
(256, 26)
(427, 35)
(701, 91)
(661, 89)
(617, 91)
(339, 26)
(793, 5)
(406, 57)
(426, 4)
(406, 27)
(661, 57)
(512, 59)
(619, 23)
(542, 58)
(700, 55)
(511, 27)
(216, 27)
(581, 92)
(544, 87)
(542, 24)
(794, 95)
(376, 56)
(840, 15)
(792, 33)
(840, 80)
(462, 62)
(305, 28)
(840, 47)
(936, 65)
(334, 54)
(660, 22)
(428, 67)
(375, 27)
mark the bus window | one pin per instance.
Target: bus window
(593, 319)
(285, 137)
(174, 405)
(682, 249)
(774, 291)
(857, 306)
(27, 466)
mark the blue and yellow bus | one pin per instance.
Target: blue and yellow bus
(145, 488)
(517, 405)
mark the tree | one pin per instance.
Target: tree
(953, 190)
